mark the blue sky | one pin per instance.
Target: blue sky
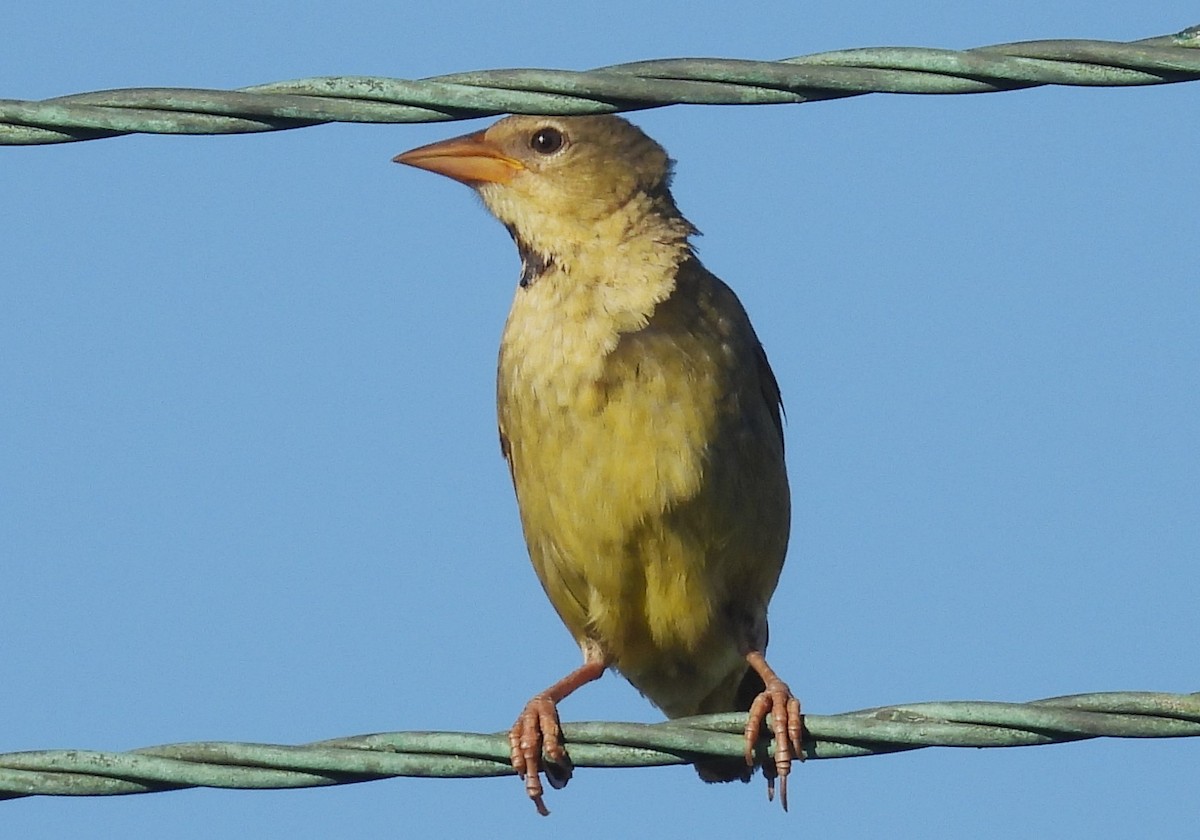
(250, 487)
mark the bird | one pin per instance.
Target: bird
(643, 430)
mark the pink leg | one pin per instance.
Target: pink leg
(787, 725)
(538, 731)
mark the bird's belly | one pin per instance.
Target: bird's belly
(651, 595)
(645, 523)
(596, 493)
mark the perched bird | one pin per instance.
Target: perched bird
(641, 424)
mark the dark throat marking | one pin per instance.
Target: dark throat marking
(533, 263)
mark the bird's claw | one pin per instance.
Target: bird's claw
(787, 727)
(537, 733)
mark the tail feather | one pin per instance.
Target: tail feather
(749, 686)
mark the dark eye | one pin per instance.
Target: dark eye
(546, 141)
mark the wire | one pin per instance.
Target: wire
(221, 764)
(622, 87)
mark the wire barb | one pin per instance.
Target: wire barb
(364, 758)
(621, 87)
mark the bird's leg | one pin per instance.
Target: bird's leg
(538, 731)
(787, 725)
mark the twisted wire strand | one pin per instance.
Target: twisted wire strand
(622, 87)
(364, 758)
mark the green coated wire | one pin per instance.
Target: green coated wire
(364, 758)
(622, 87)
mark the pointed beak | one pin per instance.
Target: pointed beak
(470, 159)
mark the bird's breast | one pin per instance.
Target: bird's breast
(602, 409)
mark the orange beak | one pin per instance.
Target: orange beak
(470, 159)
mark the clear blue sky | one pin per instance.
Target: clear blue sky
(250, 487)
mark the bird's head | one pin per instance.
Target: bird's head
(562, 182)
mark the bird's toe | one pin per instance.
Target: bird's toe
(537, 732)
(787, 729)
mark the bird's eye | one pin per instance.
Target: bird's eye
(546, 141)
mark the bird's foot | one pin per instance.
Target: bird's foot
(538, 732)
(787, 726)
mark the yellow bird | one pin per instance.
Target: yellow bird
(641, 424)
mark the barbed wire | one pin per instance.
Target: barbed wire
(221, 764)
(622, 87)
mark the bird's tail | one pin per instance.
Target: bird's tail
(746, 687)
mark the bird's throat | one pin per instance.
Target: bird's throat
(534, 263)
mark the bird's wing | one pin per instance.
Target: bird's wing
(770, 390)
